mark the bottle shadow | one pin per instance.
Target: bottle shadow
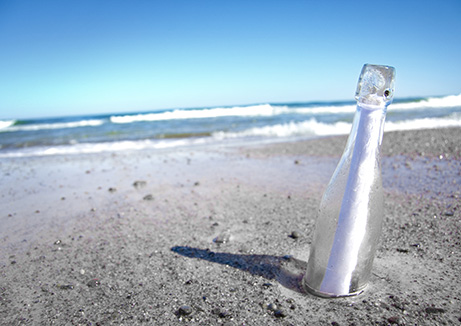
(286, 270)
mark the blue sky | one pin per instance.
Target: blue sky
(63, 57)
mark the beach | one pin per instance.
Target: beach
(220, 235)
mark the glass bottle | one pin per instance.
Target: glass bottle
(350, 216)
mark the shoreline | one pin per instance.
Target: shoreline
(131, 237)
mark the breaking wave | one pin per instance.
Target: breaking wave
(4, 124)
(255, 110)
(47, 126)
(431, 102)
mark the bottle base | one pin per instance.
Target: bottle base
(322, 294)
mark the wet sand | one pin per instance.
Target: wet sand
(221, 236)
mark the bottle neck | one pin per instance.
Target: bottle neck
(368, 127)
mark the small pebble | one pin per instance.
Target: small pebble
(94, 283)
(112, 189)
(272, 307)
(66, 287)
(294, 235)
(394, 320)
(280, 314)
(433, 310)
(148, 197)
(224, 314)
(220, 313)
(184, 310)
(292, 304)
(139, 184)
(222, 238)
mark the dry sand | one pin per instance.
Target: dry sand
(204, 236)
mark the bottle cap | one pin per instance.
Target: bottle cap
(376, 85)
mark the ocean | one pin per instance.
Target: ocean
(186, 127)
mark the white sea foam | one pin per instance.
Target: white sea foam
(94, 148)
(314, 128)
(306, 128)
(6, 123)
(237, 111)
(326, 109)
(432, 102)
(255, 110)
(453, 120)
(57, 125)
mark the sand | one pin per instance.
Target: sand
(221, 236)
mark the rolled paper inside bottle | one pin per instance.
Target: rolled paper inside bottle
(354, 213)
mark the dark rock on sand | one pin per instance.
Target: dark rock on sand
(294, 235)
(280, 313)
(148, 197)
(222, 238)
(433, 310)
(66, 287)
(93, 283)
(221, 313)
(272, 307)
(184, 311)
(139, 184)
(394, 320)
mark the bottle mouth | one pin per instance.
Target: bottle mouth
(376, 85)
